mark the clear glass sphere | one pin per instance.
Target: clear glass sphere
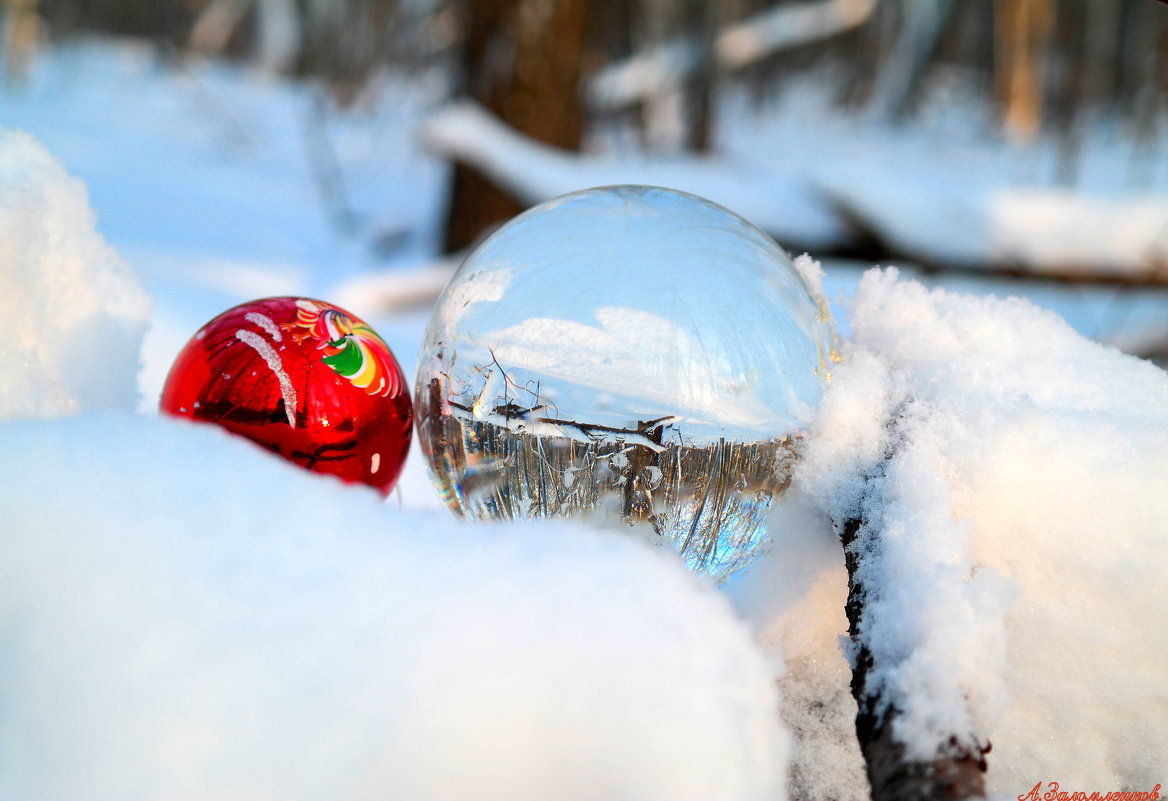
(626, 352)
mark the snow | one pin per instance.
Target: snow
(206, 179)
(276, 364)
(63, 291)
(1010, 475)
(977, 223)
(183, 615)
(643, 76)
(944, 204)
(785, 206)
(793, 597)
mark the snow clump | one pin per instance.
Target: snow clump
(74, 313)
(184, 616)
(1011, 476)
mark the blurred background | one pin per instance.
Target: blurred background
(357, 148)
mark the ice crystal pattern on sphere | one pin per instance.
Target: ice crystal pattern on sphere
(625, 351)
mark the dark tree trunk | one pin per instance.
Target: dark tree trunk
(702, 19)
(522, 59)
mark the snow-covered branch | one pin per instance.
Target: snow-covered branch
(784, 204)
(736, 46)
(956, 769)
(925, 620)
(966, 449)
(924, 210)
(785, 27)
(278, 30)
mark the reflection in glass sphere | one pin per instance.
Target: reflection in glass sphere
(628, 351)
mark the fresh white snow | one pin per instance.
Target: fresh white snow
(185, 616)
(1012, 476)
(64, 294)
(928, 203)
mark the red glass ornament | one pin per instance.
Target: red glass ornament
(303, 378)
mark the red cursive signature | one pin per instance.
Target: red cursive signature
(1053, 793)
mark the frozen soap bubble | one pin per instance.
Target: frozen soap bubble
(627, 351)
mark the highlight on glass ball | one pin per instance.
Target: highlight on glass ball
(303, 378)
(626, 352)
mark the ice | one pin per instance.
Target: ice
(184, 616)
(675, 336)
(74, 311)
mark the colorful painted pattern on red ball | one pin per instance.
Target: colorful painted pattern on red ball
(303, 378)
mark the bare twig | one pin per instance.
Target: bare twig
(511, 411)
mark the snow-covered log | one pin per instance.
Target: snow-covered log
(1005, 481)
(736, 46)
(986, 225)
(925, 211)
(413, 287)
(785, 205)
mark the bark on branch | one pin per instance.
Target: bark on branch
(957, 773)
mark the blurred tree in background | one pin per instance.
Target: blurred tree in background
(1046, 59)
(552, 68)
(523, 60)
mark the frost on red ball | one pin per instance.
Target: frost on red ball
(303, 378)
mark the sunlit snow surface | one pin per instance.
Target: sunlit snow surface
(181, 613)
(1011, 479)
(633, 347)
(64, 293)
(184, 616)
